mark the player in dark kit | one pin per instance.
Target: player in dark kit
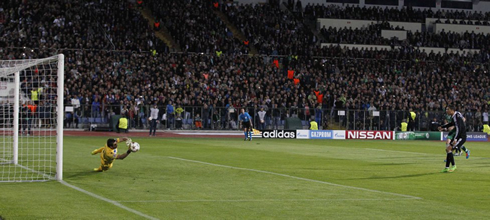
(459, 137)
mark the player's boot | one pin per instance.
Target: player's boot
(452, 169)
(98, 169)
(445, 170)
(467, 153)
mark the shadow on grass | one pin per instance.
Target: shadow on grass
(76, 175)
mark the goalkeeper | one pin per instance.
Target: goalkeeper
(108, 154)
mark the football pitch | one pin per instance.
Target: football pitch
(228, 178)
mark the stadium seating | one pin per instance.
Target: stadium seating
(112, 61)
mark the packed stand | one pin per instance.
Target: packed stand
(271, 30)
(108, 25)
(199, 84)
(127, 83)
(449, 40)
(207, 87)
(372, 34)
(195, 27)
(369, 35)
(314, 11)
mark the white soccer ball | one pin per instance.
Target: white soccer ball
(135, 147)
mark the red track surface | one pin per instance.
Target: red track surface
(141, 134)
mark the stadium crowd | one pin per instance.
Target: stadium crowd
(271, 30)
(77, 25)
(195, 27)
(109, 82)
(405, 14)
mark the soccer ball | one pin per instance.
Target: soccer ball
(135, 147)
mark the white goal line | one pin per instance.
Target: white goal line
(298, 178)
(259, 200)
(108, 200)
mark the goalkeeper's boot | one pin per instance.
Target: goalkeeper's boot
(445, 170)
(98, 169)
(452, 169)
(467, 153)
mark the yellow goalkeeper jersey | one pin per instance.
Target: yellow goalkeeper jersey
(107, 155)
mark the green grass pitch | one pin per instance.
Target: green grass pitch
(211, 178)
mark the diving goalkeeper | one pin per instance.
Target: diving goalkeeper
(108, 154)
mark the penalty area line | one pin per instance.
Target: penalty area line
(260, 200)
(298, 178)
(108, 200)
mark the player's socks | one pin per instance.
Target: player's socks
(467, 153)
(245, 133)
(250, 135)
(448, 159)
(451, 158)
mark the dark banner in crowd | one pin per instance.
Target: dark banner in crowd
(418, 135)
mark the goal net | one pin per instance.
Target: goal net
(31, 119)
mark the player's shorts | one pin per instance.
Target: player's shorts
(459, 142)
(450, 136)
(246, 124)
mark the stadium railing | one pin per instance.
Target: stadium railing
(221, 118)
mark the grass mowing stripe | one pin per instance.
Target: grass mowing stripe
(108, 200)
(397, 151)
(259, 200)
(295, 177)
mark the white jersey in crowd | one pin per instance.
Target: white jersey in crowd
(154, 113)
(262, 115)
(485, 116)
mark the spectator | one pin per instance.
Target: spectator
(170, 115)
(122, 124)
(153, 119)
(434, 125)
(313, 125)
(486, 129)
(198, 121)
(404, 125)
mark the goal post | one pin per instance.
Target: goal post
(31, 119)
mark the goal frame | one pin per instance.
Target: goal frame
(59, 117)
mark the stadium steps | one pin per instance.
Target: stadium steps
(236, 32)
(163, 33)
(335, 127)
(311, 25)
